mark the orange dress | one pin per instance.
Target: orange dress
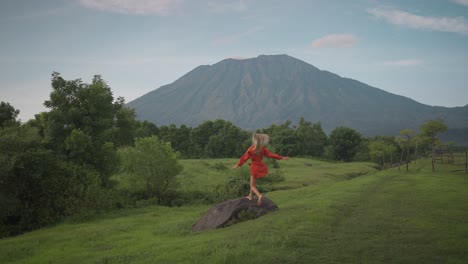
(258, 168)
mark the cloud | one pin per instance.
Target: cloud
(401, 18)
(134, 7)
(226, 40)
(335, 40)
(461, 2)
(403, 63)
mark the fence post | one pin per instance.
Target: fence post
(466, 161)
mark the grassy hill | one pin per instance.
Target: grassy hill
(329, 213)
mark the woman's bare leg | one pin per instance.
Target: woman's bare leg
(250, 195)
(250, 192)
(253, 188)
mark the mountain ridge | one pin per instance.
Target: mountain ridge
(270, 89)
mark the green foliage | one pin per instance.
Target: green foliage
(217, 139)
(272, 163)
(227, 140)
(344, 143)
(56, 165)
(311, 140)
(179, 138)
(431, 128)
(379, 150)
(86, 114)
(429, 131)
(8, 114)
(125, 124)
(38, 187)
(79, 146)
(145, 129)
(274, 176)
(406, 142)
(307, 139)
(237, 185)
(152, 166)
(282, 138)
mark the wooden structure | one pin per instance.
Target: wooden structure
(448, 156)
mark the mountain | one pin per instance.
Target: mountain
(255, 93)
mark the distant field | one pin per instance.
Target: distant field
(329, 213)
(299, 172)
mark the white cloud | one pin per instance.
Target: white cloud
(401, 18)
(462, 2)
(403, 63)
(134, 7)
(335, 40)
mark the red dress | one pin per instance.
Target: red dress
(258, 168)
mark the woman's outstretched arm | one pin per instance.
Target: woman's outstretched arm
(272, 155)
(243, 159)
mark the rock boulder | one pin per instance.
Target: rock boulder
(220, 215)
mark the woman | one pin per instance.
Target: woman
(258, 168)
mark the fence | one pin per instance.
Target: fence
(458, 159)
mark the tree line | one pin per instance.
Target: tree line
(61, 163)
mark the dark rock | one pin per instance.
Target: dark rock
(219, 215)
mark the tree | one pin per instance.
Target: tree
(405, 142)
(217, 139)
(344, 142)
(311, 140)
(178, 137)
(8, 114)
(80, 111)
(227, 140)
(379, 149)
(153, 167)
(283, 138)
(145, 129)
(393, 148)
(38, 187)
(125, 124)
(200, 135)
(430, 129)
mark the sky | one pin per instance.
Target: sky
(414, 48)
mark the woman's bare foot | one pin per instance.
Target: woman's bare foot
(260, 200)
(249, 197)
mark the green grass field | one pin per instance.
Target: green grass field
(329, 213)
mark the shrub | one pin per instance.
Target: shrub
(153, 167)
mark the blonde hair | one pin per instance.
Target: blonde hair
(259, 140)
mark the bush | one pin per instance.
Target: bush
(38, 187)
(152, 167)
(274, 176)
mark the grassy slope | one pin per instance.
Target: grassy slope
(388, 217)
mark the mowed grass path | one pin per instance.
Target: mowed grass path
(389, 216)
